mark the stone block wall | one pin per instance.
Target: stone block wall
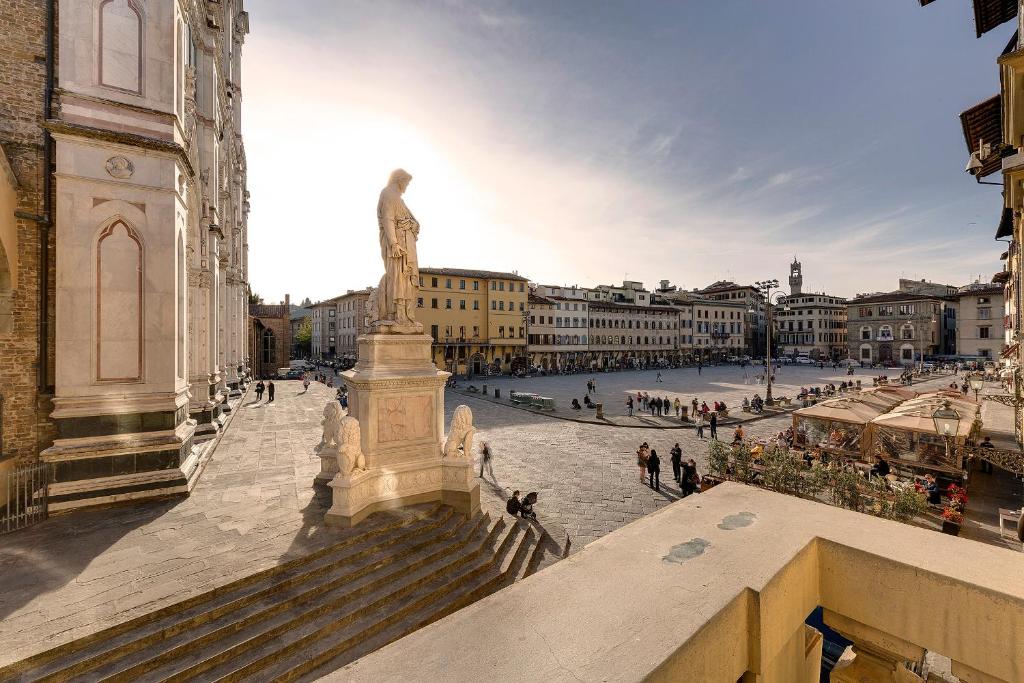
(26, 426)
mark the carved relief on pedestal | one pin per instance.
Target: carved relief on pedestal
(402, 418)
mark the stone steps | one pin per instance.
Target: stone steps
(317, 612)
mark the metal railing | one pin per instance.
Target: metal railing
(26, 487)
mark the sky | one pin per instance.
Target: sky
(578, 142)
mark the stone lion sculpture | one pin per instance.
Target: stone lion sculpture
(332, 425)
(460, 434)
(350, 452)
(371, 310)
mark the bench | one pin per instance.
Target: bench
(1011, 516)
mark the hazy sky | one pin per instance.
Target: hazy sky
(585, 142)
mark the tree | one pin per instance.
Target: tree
(304, 337)
(254, 298)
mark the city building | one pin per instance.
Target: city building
(558, 332)
(709, 329)
(301, 317)
(624, 334)
(352, 321)
(124, 192)
(993, 131)
(896, 327)
(271, 335)
(980, 321)
(754, 320)
(810, 324)
(478, 318)
(324, 322)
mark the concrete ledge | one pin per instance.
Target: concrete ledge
(717, 587)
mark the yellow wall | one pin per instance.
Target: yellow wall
(490, 341)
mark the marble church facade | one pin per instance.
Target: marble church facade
(149, 211)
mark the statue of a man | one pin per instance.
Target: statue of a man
(396, 295)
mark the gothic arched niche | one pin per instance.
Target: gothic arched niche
(119, 304)
(120, 45)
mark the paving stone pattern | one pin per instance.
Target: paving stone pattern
(254, 507)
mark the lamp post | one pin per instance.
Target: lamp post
(947, 423)
(766, 288)
(977, 383)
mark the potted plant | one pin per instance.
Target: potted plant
(952, 518)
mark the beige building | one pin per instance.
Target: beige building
(558, 332)
(622, 334)
(980, 321)
(754, 316)
(477, 318)
(897, 327)
(324, 319)
(810, 325)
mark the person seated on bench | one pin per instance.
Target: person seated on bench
(576, 404)
(587, 402)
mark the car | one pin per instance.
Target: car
(804, 360)
(294, 374)
(282, 373)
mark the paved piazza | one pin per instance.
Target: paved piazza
(729, 383)
(253, 507)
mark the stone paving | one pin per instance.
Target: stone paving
(80, 572)
(728, 383)
(254, 507)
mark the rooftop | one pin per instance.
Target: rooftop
(480, 274)
(893, 297)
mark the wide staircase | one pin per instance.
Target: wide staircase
(308, 616)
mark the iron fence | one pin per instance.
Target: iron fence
(26, 491)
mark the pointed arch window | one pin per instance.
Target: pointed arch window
(121, 45)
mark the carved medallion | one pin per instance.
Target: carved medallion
(120, 167)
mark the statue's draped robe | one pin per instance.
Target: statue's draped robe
(401, 272)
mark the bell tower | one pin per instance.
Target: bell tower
(796, 278)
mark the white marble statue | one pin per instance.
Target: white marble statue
(350, 452)
(371, 311)
(332, 426)
(460, 434)
(396, 295)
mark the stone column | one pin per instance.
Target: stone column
(875, 656)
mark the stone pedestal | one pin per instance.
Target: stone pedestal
(328, 470)
(397, 394)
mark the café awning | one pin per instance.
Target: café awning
(983, 123)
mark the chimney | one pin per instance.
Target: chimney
(287, 300)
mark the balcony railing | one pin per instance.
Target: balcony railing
(740, 572)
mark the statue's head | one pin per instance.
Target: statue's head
(462, 418)
(350, 430)
(401, 178)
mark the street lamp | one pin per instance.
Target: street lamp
(766, 288)
(977, 383)
(947, 423)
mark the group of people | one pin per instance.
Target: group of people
(683, 473)
(268, 387)
(754, 405)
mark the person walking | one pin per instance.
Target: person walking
(642, 454)
(629, 406)
(659, 378)
(678, 406)
(677, 458)
(654, 469)
(714, 425)
(698, 367)
(305, 383)
(699, 419)
(666, 406)
(485, 460)
(260, 388)
(695, 406)
(270, 392)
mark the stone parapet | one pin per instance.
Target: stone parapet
(718, 587)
